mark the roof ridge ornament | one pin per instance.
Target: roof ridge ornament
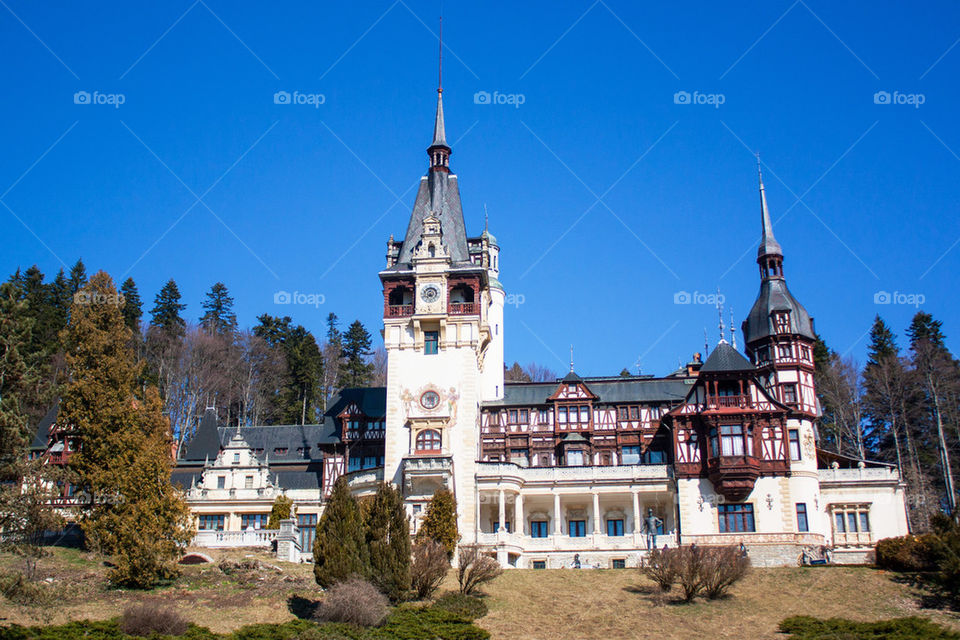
(768, 243)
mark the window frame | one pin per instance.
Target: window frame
(431, 343)
(803, 523)
(736, 517)
(423, 439)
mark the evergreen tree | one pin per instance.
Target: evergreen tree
(61, 297)
(219, 318)
(821, 353)
(440, 521)
(388, 541)
(883, 343)
(356, 369)
(339, 548)
(280, 510)
(625, 373)
(78, 276)
(924, 328)
(166, 310)
(124, 461)
(132, 305)
(301, 396)
(333, 333)
(515, 373)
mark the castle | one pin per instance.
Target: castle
(581, 471)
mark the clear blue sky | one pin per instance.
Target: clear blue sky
(298, 197)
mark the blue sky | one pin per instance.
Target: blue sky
(609, 191)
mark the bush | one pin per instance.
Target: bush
(475, 568)
(16, 588)
(467, 607)
(908, 554)
(720, 568)
(808, 628)
(420, 624)
(689, 573)
(280, 510)
(661, 567)
(429, 567)
(148, 618)
(354, 601)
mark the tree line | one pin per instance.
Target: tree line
(901, 407)
(277, 372)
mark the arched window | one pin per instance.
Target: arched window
(428, 440)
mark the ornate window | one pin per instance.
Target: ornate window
(428, 440)
(781, 321)
(736, 518)
(851, 524)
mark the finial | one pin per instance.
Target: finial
(571, 358)
(720, 314)
(639, 365)
(486, 218)
(706, 343)
(440, 59)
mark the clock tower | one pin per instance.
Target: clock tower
(443, 332)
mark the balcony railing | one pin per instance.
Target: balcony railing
(399, 310)
(728, 402)
(463, 308)
(227, 539)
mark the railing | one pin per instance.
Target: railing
(228, 539)
(427, 463)
(879, 474)
(496, 470)
(399, 310)
(564, 542)
(463, 308)
(728, 402)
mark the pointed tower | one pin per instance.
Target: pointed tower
(778, 336)
(443, 332)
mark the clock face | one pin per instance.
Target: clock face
(430, 400)
(429, 293)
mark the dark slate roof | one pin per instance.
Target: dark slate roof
(572, 377)
(725, 358)
(572, 437)
(183, 478)
(438, 195)
(41, 438)
(205, 443)
(609, 390)
(775, 296)
(372, 401)
(300, 479)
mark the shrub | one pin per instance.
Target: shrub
(467, 607)
(720, 568)
(429, 567)
(354, 601)
(388, 542)
(340, 547)
(420, 624)
(661, 567)
(440, 521)
(475, 568)
(689, 572)
(808, 628)
(907, 553)
(149, 618)
(15, 587)
(280, 510)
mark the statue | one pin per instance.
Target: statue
(650, 526)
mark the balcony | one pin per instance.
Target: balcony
(728, 402)
(399, 310)
(734, 476)
(558, 476)
(230, 539)
(463, 308)
(425, 473)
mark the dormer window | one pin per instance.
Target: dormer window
(281, 451)
(781, 321)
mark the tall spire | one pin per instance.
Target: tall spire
(439, 151)
(768, 244)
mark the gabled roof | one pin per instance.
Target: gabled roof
(608, 390)
(725, 358)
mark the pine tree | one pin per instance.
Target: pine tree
(883, 343)
(440, 521)
(924, 328)
(219, 318)
(78, 276)
(132, 305)
(388, 541)
(280, 510)
(301, 395)
(357, 370)
(166, 310)
(339, 549)
(124, 462)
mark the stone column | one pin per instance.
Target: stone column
(503, 512)
(637, 518)
(596, 514)
(557, 516)
(518, 514)
(288, 542)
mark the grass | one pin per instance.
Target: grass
(523, 604)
